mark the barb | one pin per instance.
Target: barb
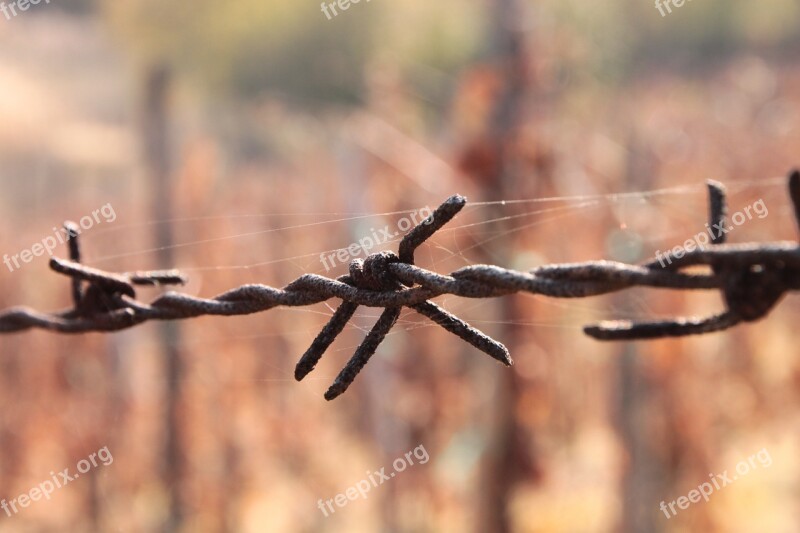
(751, 277)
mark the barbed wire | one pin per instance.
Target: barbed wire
(751, 277)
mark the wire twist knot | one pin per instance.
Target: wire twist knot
(751, 291)
(373, 272)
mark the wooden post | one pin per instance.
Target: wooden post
(156, 143)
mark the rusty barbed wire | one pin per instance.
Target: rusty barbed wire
(751, 277)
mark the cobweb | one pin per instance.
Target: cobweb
(628, 227)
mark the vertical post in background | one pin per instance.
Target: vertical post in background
(505, 449)
(643, 467)
(156, 143)
(375, 422)
(649, 475)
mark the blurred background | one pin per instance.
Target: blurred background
(239, 140)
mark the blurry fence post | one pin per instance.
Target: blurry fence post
(156, 143)
(374, 420)
(643, 477)
(506, 448)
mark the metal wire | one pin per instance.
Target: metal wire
(751, 277)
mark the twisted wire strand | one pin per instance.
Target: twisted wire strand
(751, 277)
